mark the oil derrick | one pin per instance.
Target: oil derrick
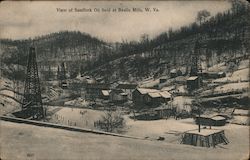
(61, 75)
(196, 69)
(63, 72)
(194, 61)
(32, 101)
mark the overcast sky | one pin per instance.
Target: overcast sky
(26, 19)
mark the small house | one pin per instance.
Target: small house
(153, 98)
(175, 73)
(163, 80)
(118, 96)
(139, 95)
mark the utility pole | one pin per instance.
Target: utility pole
(199, 124)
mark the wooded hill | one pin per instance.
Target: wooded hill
(215, 39)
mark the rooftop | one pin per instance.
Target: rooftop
(205, 132)
(154, 94)
(165, 94)
(218, 118)
(146, 90)
(192, 78)
(241, 112)
(105, 92)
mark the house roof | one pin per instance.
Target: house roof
(192, 78)
(105, 92)
(116, 91)
(154, 94)
(221, 72)
(173, 71)
(165, 94)
(146, 90)
(218, 118)
(205, 132)
(169, 88)
(124, 94)
(241, 112)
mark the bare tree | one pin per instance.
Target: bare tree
(202, 16)
(111, 121)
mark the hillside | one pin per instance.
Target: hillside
(218, 40)
(69, 47)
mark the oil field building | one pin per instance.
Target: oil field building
(193, 83)
(204, 137)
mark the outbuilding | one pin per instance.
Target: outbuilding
(211, 120)
(193, 83)
(175, 73)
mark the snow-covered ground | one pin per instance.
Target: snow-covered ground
(238, 75)
(77, 102)
(217, 68)
(7, 105)
(76, 117)
(170, 128)
(22, 141)
(149, 83)
(232, 86)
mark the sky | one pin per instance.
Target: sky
(27, 19)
